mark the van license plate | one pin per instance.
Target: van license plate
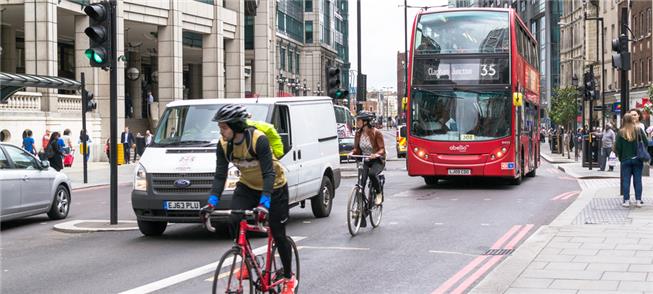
(181, 205)
(459, 172)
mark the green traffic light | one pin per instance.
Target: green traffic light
(94, 56)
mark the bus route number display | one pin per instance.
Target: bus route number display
(463, 71)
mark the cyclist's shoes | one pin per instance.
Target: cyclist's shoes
(243, 273)
(378, 199)
(289, 285)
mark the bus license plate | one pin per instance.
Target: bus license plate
(181, 205)
(459, 172)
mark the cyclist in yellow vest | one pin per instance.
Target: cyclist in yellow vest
(262, 181)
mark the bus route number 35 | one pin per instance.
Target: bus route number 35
(488, 70)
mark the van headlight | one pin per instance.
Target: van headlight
(140, 179)
(232, 178)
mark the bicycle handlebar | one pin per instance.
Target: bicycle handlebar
(359, 156)
(206, 215)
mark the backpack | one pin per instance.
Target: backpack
(276, 144)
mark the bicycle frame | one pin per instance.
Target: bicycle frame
(246, 250)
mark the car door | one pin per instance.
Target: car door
(10, 186)
(281, 121)
(36, 192)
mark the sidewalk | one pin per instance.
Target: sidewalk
(574, 168)
(99, 173)
(594, 246)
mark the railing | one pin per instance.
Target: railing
(23, 101)
(69, 103)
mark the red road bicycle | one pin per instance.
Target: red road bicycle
(265, 273)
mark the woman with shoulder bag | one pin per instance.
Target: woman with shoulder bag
(630, 140)
(54, 152)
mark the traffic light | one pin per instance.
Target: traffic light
(333, 84)
(590, 85)
(99, 34)
(88, 101)
(620, 56)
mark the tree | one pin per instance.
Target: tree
(564, 107)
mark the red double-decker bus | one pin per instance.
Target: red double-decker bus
(473, 99)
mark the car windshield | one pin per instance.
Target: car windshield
(459, 115)
(192, 125)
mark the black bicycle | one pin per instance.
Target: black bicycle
(361, 204)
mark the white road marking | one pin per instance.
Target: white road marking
(187, 275)
(438, 224)
(333, 248)
(454, 199)
(452, 252)
(306, 222)
(393, 223)
(487, 199)
(485, 225)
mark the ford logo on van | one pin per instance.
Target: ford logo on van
(182, 183)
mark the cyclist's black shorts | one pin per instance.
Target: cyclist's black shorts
(247, 198)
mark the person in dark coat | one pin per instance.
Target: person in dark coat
(54, 152)
(127, 139)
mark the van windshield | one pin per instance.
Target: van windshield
(192, 125)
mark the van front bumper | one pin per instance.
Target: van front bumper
(150, 207)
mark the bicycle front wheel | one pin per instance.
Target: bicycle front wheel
(277, 267)
(226, 276)
(354, 211)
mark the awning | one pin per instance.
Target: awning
(11, 83)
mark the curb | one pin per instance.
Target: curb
(504, 274)
(100, 226)
(99, 185)
(586, 177)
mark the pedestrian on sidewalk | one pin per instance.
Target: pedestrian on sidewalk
(127, 139)
(607, 141)
(148, 138)
(68, 142)
(54, 152)
(631, 166)
(28, 142)
(45, 140)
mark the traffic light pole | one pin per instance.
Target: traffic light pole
(623, 81)
(84, 137)
(113, 89)
(358, 52)
(589, 129)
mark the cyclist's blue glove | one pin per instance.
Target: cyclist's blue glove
(213, 200)
(265, 201)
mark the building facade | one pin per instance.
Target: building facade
(174, 49)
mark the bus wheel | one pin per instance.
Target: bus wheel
(431, 181)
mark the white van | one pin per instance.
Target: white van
(174, 176)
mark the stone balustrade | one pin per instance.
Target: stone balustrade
(69, 103)
(23, 102)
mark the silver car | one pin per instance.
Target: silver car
(29, 186)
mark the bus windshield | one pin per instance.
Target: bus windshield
(463, 32)
(192, 125)
(458, 115)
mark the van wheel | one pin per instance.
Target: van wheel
(149, 228)
(322, 203)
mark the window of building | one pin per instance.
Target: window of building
(648, 21)
(308, 6)
(282, 58)
(290, 61)
(326, 23)
(308, 28)
(281, 21)
(297, 62)
(249, 32)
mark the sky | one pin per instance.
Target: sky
(382, 32)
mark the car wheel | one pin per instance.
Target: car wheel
(149, 228)
(61, 204)
(322, 203)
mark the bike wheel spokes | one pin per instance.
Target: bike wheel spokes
(226, 276)
(354, 211)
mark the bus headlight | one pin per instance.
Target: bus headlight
(421, 153)
(498, 153)
(140, 179)
(232, 178)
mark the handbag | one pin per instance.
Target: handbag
(642, 152)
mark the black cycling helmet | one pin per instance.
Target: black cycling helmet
(365, 116)
(231, 113)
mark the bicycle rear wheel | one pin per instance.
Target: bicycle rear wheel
(224, 278)
(277, 266)
(354, 211)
